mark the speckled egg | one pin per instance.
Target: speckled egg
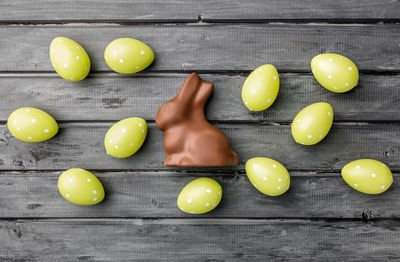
(200, 196)
(69, 59)
(125, 137)
(312, 123)
(268, 176)
(335, 72)
(127, 55)
(80, 187)
(261, 88)
(368, 176)
(31, 125)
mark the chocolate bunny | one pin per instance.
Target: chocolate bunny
(190, 140)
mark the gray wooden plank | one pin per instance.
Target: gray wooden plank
(228, 10)
(199, 240)
(178, 10)
(81, 145)
(212, 47)
(154, 195)
(99, 10)
(104, 97)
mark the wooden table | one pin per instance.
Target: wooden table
(319, 219)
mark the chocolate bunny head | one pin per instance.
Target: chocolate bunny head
(188, 103)
(189, 139)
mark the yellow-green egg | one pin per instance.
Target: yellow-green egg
(127, 55)
(80, 187)
(261, 88)
(125, 137)
(69, 59)
(335, 72)
(268, 176)
(368, 176)
(32, 125)
(312, 123)
(200, 196)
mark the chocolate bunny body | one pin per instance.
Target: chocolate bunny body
(190, 140)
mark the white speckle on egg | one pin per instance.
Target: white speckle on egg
(131, 144)
(329, 114)
(279, 179)
(71, 78)
(94, 199)
(110, 140)
(80, 169)
(309, 136)
(373, 175)
(279, 188)
(382, 187)
(85, 68)
(358, 167)
(255, 165)
(114, 52)
(264, 178)
(65, 65)
(219, 192)
(355, 185)
(214, 205)
(67, 195)
(123, 130)
(253, 92)
(260, 69)
(189, 200)
(70, 180)
(207, 204)
(142, 52)
(138, 67)
(143, 131)
(347, 84)
(208, 190)
(29, 137)
(335, 87)
(78, 47)
(246, 103)
(191, 212)
(14, 122)
(60, 40)
(46, 130)
(94, 192)
(329, 76)
(27, 110)
(274, 165)
(89, 180)
(320, 136)
(182, 209)
(140, 124)
(275, 77)
(269, 100)
(116, 146)
(298, 120)
(121, 61)
(330, 60)
(350, 68)
(313, 71)
(18, 129)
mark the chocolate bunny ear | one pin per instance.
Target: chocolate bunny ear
(203, 94)
(189, 89)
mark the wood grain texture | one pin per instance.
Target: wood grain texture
(109, 97)
(189, 10)
(212, 47)
(81, 145)
(199, 240)
(154, 195)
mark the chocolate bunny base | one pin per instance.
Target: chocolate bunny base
(190, 140)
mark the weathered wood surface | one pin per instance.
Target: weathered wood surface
(108, 97)
(199, 240)
(82, 145)
(215, 47)
(154, 195)
(187, 10)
